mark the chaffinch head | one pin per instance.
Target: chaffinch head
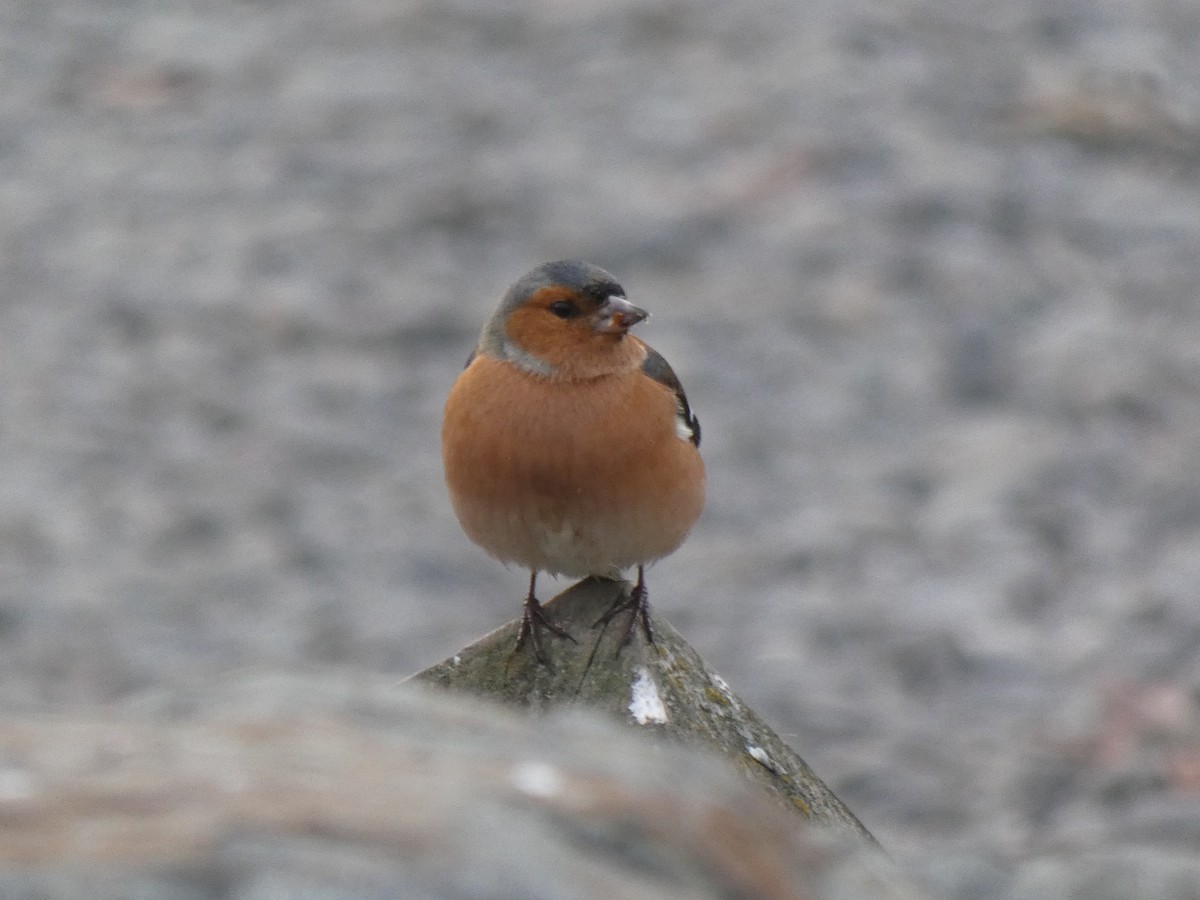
(569, 446)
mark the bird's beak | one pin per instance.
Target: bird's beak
(617, 315)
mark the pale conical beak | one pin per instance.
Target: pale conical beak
(617, 315)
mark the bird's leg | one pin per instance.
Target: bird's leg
(638, 602)
(533, 619)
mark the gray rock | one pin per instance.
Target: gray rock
(338, 784)
(664, 688)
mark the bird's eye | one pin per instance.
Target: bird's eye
(564, 309)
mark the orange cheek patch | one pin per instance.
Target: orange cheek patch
(542, 334)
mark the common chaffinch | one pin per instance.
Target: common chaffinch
(568, 444)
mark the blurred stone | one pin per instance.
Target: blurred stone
(980, 370)
(341, 784)
(1110, 112)
(1116, 873)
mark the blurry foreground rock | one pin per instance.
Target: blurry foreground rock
(665, 688)
(339, 784)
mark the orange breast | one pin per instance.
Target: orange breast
(574, 478)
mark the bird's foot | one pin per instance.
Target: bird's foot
(637, 603)
(533, 620)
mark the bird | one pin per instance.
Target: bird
(568, 444)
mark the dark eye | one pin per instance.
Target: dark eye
(564, 309)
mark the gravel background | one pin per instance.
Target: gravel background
(927, 269)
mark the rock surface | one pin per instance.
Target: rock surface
(337, 784)
(664, 689)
